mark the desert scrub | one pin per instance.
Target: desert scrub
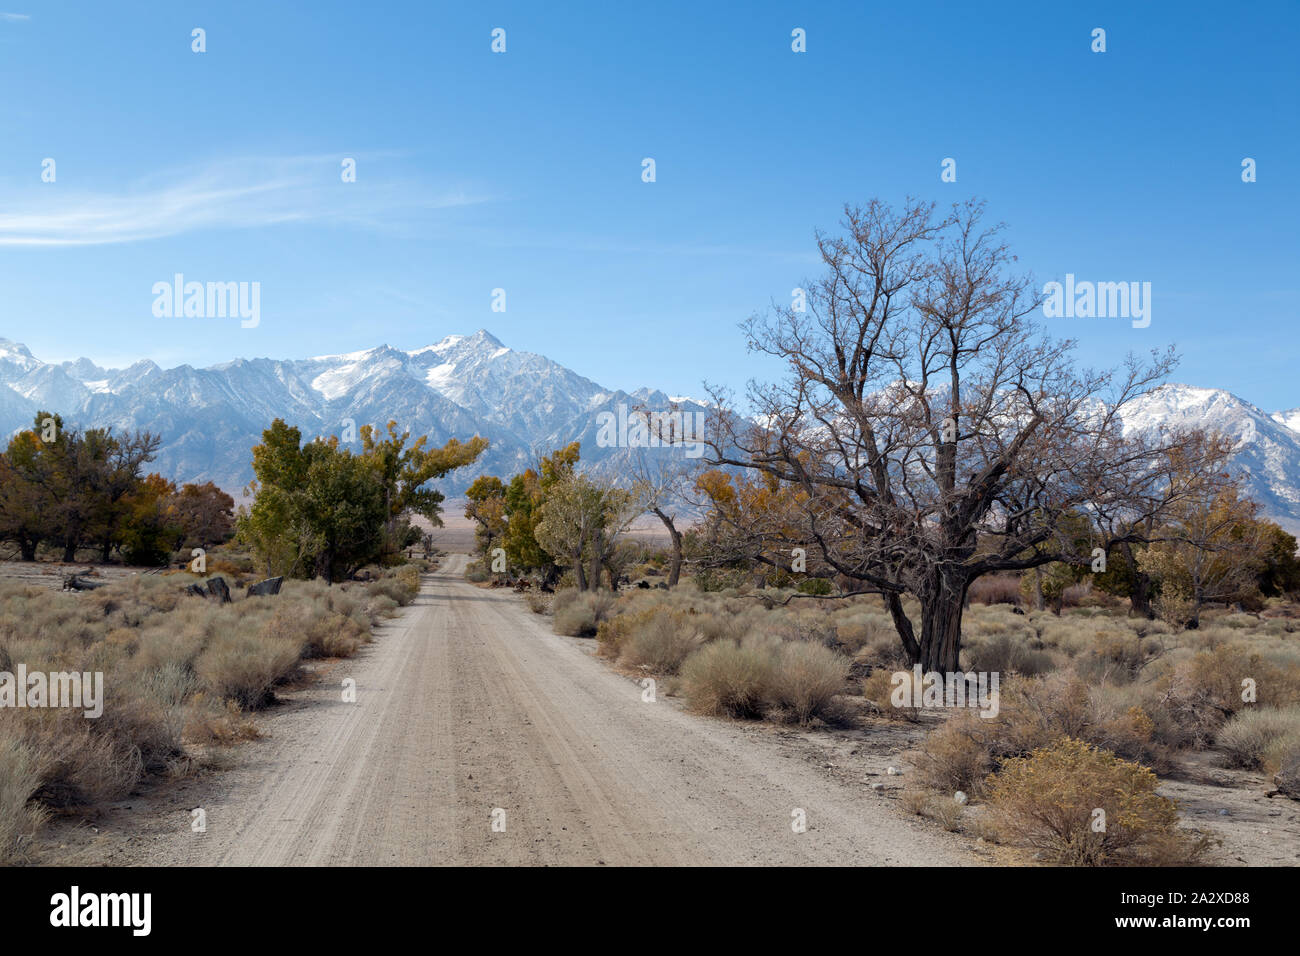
(1049, 800)
(1010, 653)
(805, 680)
(19, 816)
(579, 613)
(1261, 739)
(176, 669)
(729, 679)
(1033, 714)
(400, 584)
(660, 642)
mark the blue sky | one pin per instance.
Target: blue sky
(522, 171)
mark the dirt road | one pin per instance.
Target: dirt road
(467, 705)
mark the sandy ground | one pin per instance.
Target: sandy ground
(467, 704)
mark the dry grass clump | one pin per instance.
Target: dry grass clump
(660, 642)
(579, 613)
(1007, 653)
(1261, 739)
(1084, 806)
(175, 668)
(20, 818)
(1035, 713)
(400, 584)
(805, 681)
(244, 667)
(943, 810)
(729, 679)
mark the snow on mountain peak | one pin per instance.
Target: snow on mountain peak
(1288, 419)
(524, 403)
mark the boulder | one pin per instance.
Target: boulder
(267, 587)
(219, 589)
(74, 582)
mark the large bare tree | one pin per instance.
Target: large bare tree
(932, 431)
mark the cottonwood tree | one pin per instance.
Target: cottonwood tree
(486, 507)
(405, 470)
(935, 434)
(581, 522)
(72, 488)
(1214, 549)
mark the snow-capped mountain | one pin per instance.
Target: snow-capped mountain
(210, 418)
(1290, 418)
(1268, 446)
(525, 404)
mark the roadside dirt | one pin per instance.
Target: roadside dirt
(466, 704)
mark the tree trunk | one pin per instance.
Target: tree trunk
(903, 625)
(941, 614)
(1140, 594)
(675, 567)
(1039, 603)
(70, 550)
(597, 547)
(27, 548)
(580, 573)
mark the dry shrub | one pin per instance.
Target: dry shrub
(995, 589)
(958, 755)
(1114, 658)
(915, 802)
(614, 632)
(209, 720)
(727, 679)
(1261, 739)
(321, 632)
(537, 602)
(879, 687)
(660, 642)
(244, 667)
(1206, 690)
(76, 764)
(1033, 714)
(946, 812)
(1047, 800)
(19, 816)
(805, 680)
(579, 613)
(1006, 653)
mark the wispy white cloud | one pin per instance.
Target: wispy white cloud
(15, 17)
(247, 193)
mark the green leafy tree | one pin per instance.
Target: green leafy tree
(581, 522)
(524, 497)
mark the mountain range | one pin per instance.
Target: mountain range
(210, 418)
(525, 404)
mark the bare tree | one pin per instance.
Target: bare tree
(662, 482)
(932, 433)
